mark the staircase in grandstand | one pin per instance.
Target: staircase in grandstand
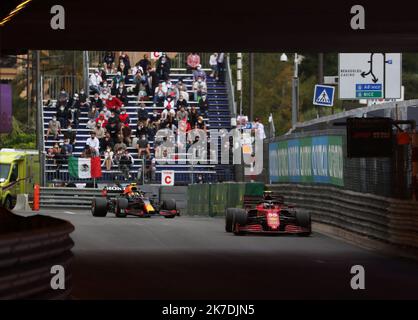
(218, 118)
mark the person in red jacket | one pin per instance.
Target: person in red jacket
(101, 119)
(114, 104)
(124, 116)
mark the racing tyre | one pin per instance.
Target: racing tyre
(121, 205)
(99, 207)
(229, 219)
(169, 204)
(304, 220)
(239, 217)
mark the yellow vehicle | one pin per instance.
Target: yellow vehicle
(19, 172)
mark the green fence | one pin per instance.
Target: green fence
(213, 199)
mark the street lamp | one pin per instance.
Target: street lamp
(295, 85)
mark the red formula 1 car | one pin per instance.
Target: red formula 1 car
(267, 214)
(131, 201)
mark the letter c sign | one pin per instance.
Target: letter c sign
(167, 178)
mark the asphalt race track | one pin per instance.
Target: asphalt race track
(194, 258)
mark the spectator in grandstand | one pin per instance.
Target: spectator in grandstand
(54, 128)
(120, 145)
(100, 131)
(108, 158)
(181, 102)
(142, 91)
(167, 112)
(141, 129)
(62, 98)
(143, 146)
(213, 62)
(152, 130)
(159, 95)
(193, 60)
(52, 152)
(200, 124)
(169, 103)
(62, 116)
(182, 114)
(112, 129)
(93, 113)
(91, 124)
(87, 152)
(221, 67)
(105, 94)
(125, 59)
(84, 101)
(155, 118)
(124, 117)
(163, 67)
(172, 91)
(106, 142)
(117, 81)
(109, 61)
(152, 79)
(259, 129)
(114, 104)
(142, 113)
(96, 102)
(199, 89)
(113, 118)
(199, 72)
(93, 143)
(123, 69)
(193, 115)
(203, 105)
(68, 147)
(74, 111)
(70, 134)
(126, 133)
(125, 164)
(101, 120)
(122, 94)
(145, 62)
(94, 82)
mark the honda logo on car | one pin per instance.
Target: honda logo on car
(167, 178)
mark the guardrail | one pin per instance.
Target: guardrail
(388, 220)
(74, 198)
(29, 248)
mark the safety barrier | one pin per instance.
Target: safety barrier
(212, 199)
(390, 221)
(29, 248)
(75, 198)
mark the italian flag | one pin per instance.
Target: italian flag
(84, 168)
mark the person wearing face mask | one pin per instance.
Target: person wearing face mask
(105, 94)
(143, 146)
(213, 62)
(142, 113)
(54, 128)
(145, 62)
(106, 142)
(70, 134)
(193, 60)
(155, 119)
(199, 73)
(96, 102)
(181, 102)
(117, 80)
(114, 104)
(108, 158)
(123, 69)
(159, 95)
(125, 133)
(93, 113)
(124, 117)
(109, 61)
(173, 92)
(163, 67)
(203, 105)
(125, 59)
(62, 116)
(93, 143)
(94, 82)
(62, 98)
(101, 120)
(181, 114)
(199, 89)
(74, 111)
(100, 131)
(122, 94)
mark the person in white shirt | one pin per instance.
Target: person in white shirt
(94, 82)
(93, 143)
(213, 62)
(259, 129)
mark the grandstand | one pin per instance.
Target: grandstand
(219, 117)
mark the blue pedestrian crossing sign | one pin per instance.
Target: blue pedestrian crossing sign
(324, 95)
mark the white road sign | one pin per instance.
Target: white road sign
(370, 76)
(167, 178)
